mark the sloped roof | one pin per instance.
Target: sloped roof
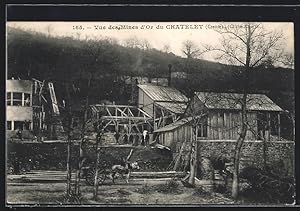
(177, 108)
(163, 93)
(255, 102)
(174, 125)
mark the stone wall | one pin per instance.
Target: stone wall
(280, 154)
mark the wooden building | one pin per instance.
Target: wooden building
(164, 104)
(221, 119)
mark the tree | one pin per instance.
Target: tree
(196, 119)
(287, 59)
(166, 48)
(99, 127)
(247, 45)
(190, 49)
(144, 44)
(134, 42)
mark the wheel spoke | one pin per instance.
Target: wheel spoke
(91, 176)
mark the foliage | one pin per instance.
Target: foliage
(33, 55)
(268, 186)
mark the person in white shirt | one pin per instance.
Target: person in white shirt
(145, 132)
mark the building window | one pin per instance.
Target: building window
(202, 130)
(18, 125)
(26, 99)
(262, 125)
(17, 99)
(8, 98)
(274, 124)
(8, 125)
(27, 125)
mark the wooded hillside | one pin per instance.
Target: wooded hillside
(64, 59)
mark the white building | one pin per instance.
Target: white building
(19, 111)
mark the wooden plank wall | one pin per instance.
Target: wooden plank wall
(225, 125)
(175, 138)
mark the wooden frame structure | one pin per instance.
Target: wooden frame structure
(123, 118)
(163, 117)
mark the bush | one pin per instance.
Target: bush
(267, 187)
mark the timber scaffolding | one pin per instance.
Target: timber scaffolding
(130, 119)
(42, 91)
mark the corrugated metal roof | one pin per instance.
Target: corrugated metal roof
(174, 125)
(255, 102)
(163, 93)
(177, 108)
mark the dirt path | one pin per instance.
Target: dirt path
(137, 192)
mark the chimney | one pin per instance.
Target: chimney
(169, 76)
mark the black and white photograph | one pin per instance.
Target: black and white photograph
(108, 113)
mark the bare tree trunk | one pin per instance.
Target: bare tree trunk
(95, 193)
(241, 139)
(264, 153)
(193, 160)
(237, 156)
(70, 123)
(78, 170)
(293, 122)
(81, 158)
(69, 175)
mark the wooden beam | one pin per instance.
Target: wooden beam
(154, 116)
(143, 112)
(269, 125)
(130, 112)
(108, 111)
(122, 112)
(124, 118)
(158, 174)
(279, 129)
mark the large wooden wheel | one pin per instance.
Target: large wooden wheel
(90, 176)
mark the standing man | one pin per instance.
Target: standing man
(144, 137)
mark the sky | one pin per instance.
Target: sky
(157, 34)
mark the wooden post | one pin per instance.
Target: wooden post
(269, 126)
(196, 151)
(177, 161)
(225, 126)
(208, 127)
(163, 119)
(278, 118)
(154, 116)
(23, 99)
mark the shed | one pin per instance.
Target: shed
(163, 104)
(222, 119)
(224, 116)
